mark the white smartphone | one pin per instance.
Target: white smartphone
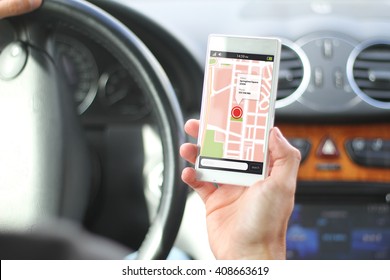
(238, 108)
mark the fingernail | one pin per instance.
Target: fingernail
(35, 3)
(278, 133)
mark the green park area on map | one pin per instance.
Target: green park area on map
(211, 148)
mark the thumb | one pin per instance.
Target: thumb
(284, 159)
(17, 7)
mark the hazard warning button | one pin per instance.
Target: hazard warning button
(328, 148)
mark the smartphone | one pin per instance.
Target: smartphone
(238, 108)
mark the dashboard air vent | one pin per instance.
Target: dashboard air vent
(370, 66)
(293, 72)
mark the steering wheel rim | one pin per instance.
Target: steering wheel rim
(141, 63)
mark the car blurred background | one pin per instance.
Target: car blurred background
(333, 104)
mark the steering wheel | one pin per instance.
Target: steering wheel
(44, 165)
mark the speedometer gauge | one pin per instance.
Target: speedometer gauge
(80, 70)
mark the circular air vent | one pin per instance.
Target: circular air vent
(368, 71)
(294, 74)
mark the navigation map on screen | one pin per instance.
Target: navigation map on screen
(236, 113)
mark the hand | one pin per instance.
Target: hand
(242, 222)
(17, 7)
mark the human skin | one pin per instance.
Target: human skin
(248, 222)
(10, 8)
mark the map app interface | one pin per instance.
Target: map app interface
(236, 112)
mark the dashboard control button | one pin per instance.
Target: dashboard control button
(338, 77)
(358, 144)
(369, 152)
(303, 145)
(318, 77)
(328, 166)
(327, 48)
(328, 148)
(377, 145)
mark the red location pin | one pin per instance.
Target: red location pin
(237, 112)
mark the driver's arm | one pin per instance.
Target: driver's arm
(16, 7)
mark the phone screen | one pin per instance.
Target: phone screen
(237, 88)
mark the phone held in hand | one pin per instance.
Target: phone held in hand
(238, 109)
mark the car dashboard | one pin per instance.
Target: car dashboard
(333, 104)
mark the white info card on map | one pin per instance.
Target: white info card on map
(248, 87)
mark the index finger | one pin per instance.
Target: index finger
(191, 127)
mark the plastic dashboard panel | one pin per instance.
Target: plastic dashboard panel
(325, 37)
(326, 33)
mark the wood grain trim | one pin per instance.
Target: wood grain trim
(349, 171)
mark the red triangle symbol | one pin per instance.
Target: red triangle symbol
(327, 148)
